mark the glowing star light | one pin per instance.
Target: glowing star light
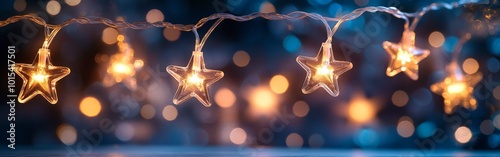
(40, 77)
(194, 79)
(123, 67)
(405, 56)
(323, 71)
(457, 89)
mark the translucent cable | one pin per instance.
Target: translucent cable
(459, 45)
(296, 15)
(205, 37)
(438, 6)
(50, 37)
(358, 12)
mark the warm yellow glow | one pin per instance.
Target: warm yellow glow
(470, 66)
(361, 110)
(122, 68)
(241, 58)
(463, 134)
(405, 127)
(90, 106)
(53, 7)
(279, 84)
(225, 98)
(300, 109)
(324, 70)
(195, 79)
(67, 134)
(109, 35)
(294, 140)
(263, 101)
(171, 34)
(403, 58)
(400, 98)
(38, 77)
(120, 38)
(148, 111)
(457, 88)
(169, 113)
(267, 7)
(154, 15)
(138, 64)
(238, 136)
(72, 2)
(436, 39)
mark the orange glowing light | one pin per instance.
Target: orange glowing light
(361, 110)
(90, 106)
(457, 89)
(262, 101)
(40, 77)
(122, 66)
(405, 56)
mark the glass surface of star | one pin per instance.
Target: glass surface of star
(194, 80)
(404, 56)
(323, 71)
(40, 77)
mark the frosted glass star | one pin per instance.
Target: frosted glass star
(194, 80)
(457, 89)
(405, 56)
(40, 77)
(323, 71)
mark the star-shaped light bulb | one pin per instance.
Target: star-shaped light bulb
(122, 67)
(40, 77)
(323, 71)
(194, 79)
(457, 89)
(405, 56)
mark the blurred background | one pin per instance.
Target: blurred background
(119, 93)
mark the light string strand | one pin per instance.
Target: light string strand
(194, 79)
(270, 16)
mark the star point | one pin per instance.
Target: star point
(404, 56)
(194, 80)
(40, 77)
(323, 71)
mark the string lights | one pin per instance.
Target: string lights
(457, 88)
(405, 56)
(323, 71)
(122, 66)
(41, 76)
(195, 79)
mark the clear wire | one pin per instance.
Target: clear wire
(205, 37)
(458, 47)
(197, 39)
(296, 15)
(437, 6)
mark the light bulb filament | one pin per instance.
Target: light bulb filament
(38, 77)
(195, 79)
(324, 70)
(456, 88)
(404, 57)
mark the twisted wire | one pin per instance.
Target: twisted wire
(296, 15)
